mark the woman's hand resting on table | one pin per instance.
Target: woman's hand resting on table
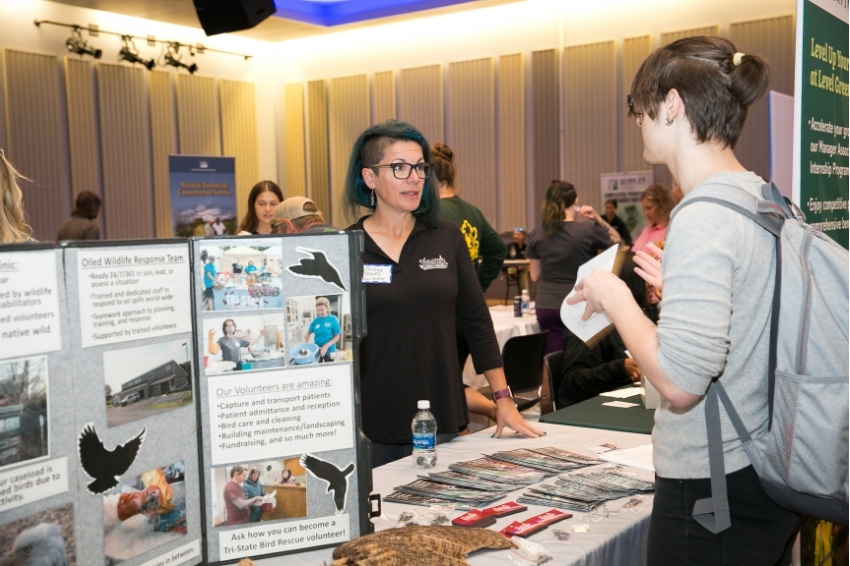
(507, 415)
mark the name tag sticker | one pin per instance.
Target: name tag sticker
(377, 273)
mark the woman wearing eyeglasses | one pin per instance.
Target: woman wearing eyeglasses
(418, 279)
(690, 100)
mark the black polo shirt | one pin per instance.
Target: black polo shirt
(410, 351)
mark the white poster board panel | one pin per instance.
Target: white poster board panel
(133, 294)
(29, 304)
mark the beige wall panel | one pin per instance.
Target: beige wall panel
(511, 143)
(635, 51)
(421, 101)
(545, 126)
(125, 151)
(163, 144)
(197, 116)
(34, 135)
(238, 103)
(671, 36)
(590, 117)
(471, 126)
(773, 39)
(294, 161)
(348, 116)
(82, 125)
(317, 144)
(385, 106)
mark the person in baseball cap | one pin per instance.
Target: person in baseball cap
(299, 214)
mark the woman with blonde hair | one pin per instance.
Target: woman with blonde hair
(690, 100)
(13, 227)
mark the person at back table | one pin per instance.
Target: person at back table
(299, 214)
(588, 370)
(13, 227)
(81, 225)
(262, 199)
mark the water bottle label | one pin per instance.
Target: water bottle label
(424, 441)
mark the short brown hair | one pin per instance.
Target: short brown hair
(236, 470)
(715, 91)
(662, 198)
(87, 205)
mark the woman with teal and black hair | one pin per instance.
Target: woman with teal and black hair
(418, 278)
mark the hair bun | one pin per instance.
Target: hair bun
(443, 151)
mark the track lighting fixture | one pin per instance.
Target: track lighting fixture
(130, 53)
(76, 44)
(173, 58)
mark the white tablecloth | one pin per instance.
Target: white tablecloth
(506, 326)
(619, 540)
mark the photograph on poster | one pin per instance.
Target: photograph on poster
(258, 492)
(318, 329)
(144, 512)
(240, 277)
(43, 538)
(243, 342)
(146, 381)
(23, 410)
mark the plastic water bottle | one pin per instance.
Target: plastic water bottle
(525, 301)
(424, 428)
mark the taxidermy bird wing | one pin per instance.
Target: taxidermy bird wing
(317, 265)
(102, 465)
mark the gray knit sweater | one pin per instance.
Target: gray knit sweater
(715, 322)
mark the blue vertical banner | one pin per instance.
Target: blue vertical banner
(203, 195)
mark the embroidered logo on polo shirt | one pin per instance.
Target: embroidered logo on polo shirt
(435, 263)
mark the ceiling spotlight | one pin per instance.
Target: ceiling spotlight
(129, 53)
(175, 60)
(76, 44)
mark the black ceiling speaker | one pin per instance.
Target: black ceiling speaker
(222, 16)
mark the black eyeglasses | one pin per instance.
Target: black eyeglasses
(402, 170)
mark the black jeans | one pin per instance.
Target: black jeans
(762, 533)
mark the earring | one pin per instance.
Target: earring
(372, 198)
(668, 121)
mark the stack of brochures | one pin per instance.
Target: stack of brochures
(583, 491)
(497, 471)
(550, 460)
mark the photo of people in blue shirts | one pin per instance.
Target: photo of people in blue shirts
(325, 330)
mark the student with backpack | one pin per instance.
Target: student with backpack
(690, 99)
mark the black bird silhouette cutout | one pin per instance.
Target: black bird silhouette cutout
(317, 265)
(102, 465)
(337, 479)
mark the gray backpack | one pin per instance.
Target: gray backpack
(801, 460)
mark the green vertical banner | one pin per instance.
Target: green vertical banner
(821, 116)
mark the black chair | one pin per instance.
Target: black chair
(554, 364)
(523, 358)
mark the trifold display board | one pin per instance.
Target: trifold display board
(278, 320)
(116, 446)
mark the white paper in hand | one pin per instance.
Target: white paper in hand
(571, 314)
